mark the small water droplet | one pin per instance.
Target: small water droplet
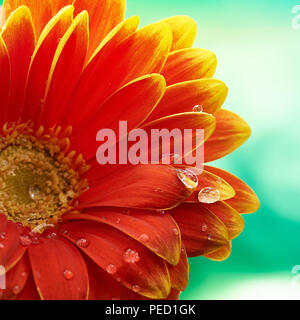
(188, 178)
(209, 195)
(161, 211)
(126, 211)
(204, 227)
(136, 288)
(111, 269)
(1, 245)
(144, 237)
(131, 256)
(52, 235)
(24, 274)
(68, 274)
(83, 242)
(35, 240)
(209, 237)
(118, 220)
(175, 231)
(198, 108)
(25, 240)
(16, 289)
(34, 192)
(2, 235)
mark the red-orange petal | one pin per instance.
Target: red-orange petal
(29, 291)
(41, 11)
(103, 16)
(4, 80)
(147, 227)
(41, 63)
(245, 199)
(230, 217)
(140, 186)
(59, 270)
(125, 259)
(209, 94)
(201, 231)
(220, 254)
(65, 70)
(231, 132)
(189, 64)
(58, 4)
(20, 50)
(184, 31)
(16, 279)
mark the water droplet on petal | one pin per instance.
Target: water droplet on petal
(198, 108)
(24, 274)
(52, 235)
(204, 227)
(188, 178)
(126, 211)
(209, 195)
(111, 269)
(136, 288)
(34, 192)
(161, 211)
(2, 235)
(144, 237)
(175, 231)
(68, 274)
(118, 220)
(131, 256)
(25, 240)
(210, 237)
(1, 245)
(16, 289)
(83, 242)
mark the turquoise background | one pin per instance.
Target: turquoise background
(258, 53)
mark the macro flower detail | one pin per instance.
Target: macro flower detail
(71, 228)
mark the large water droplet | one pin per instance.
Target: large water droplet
(188, 178)
(25, 240)
(111, 269)
(131, 256)
(68, 274)
(144, 237)
(34, 192)
(209, 195)
(83, 242)
(198, 108)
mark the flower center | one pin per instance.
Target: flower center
(39, 180)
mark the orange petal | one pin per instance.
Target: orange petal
(67, 278)
(231, 132)
(189, 64)
(220, 254)
(201, 231)
(41, 62)
(182, 97)
(104, 16)
(125, 259)
(118, 62)
(29, 291)
(16, 279)
(4, 80)
(138, 186)
(58, 4)
(245, 199)
(40, 10)
(230, 217)
(184, 30)
(20, 50)
(66, 68)
(179, 274)
(147, 227)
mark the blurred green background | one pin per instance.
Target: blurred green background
(258, 53)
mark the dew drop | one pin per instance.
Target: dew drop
(175, 231)
(198, 108)
(68, 274)
(16, 289)
(24, 274)
(209, 195)
(136, 288)
(161, 211)
(83, 242)
(126, 211)
(204, 227)
(131, 256)
(2, 235)
(34, 192)
(25, 240)
(118, 220)
(188, 178)
(1, 245)
(209, 237)
(144, 237)
(111, 269)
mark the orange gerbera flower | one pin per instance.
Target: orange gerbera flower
(70, 228)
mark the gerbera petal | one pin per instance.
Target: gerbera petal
(66, 278)
(41, 62)
(16, 279)
(104, 16)
(4, 80)
(207, 179)
(189, 64)
(179, 274)
(210, 94)
(132, 103)
(29, 291)
(123, 258)
(20, 50)
(66, 68)
(41, 11)
(120, 61)
(139, 186)
(245, 199)
(230, 217)
(184, 30)
(231, 132)
(220, 254)
(201, 231)
(144, 226)
(58, 4)
(11, 250)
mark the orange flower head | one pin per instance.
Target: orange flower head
(71, 228)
